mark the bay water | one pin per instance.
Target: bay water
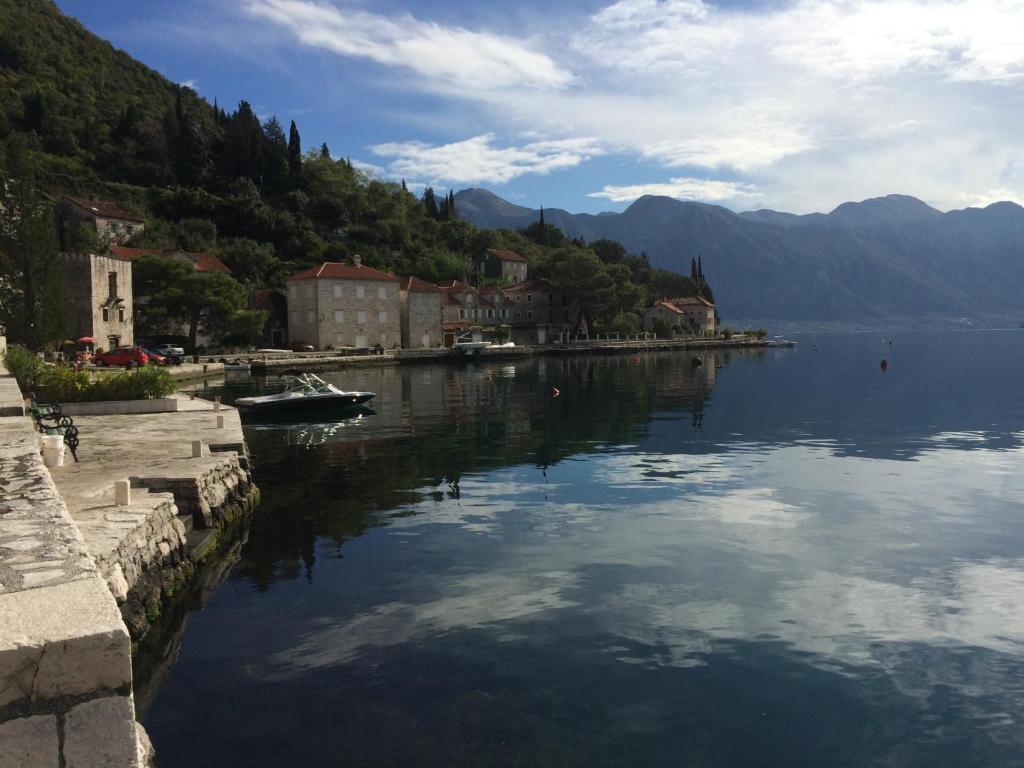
(787, 557)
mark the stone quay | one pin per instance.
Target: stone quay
(89, 555)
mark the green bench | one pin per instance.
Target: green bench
(50, 420)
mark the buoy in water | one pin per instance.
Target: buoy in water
(884, 364)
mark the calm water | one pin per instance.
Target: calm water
(786, 558)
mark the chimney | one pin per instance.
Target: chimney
(357, 260)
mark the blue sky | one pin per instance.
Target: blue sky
(587, 105)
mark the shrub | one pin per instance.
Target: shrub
(68, 386)
(25, 366)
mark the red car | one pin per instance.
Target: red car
(155, 358)
(130, 357)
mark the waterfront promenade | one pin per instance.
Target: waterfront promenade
(83, 572)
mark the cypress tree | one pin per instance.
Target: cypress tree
(325, 153)
(430, 203)
(700, 269)
(693, 269)
(452, 213)
(294, 150)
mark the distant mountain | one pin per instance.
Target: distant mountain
(889, 260)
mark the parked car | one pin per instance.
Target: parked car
(298, 346)
(169, 350)
(155, 358)
(130, 357)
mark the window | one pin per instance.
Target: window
(337, 291)
(518, 315)
(462, 314)
(339, 316)
(112, 285)
(529, 315)
(490, 314)
(120, 314)
(382, 291)
(519, 297)
(382, 316)
(106, 314)
(360, 291)
(529, 297)
(309, 315)
(360, 316)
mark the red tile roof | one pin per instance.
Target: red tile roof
(333, 270)
(104, 209)
(670, 306)
(692, 301)
(204, 262)
(505, 255)
(415, 285)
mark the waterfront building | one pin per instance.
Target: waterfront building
(112, 224)
(421, 313)
(100, 293)
(503, 265)
(344, 305)
(687, 313)
(541, 312)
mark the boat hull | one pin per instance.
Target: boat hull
(302, 404)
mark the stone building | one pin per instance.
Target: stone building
(503, 265)
(541, 312)
(421, 313)
(344, 305)
(113, 225)
(100, 290)
(687, 313)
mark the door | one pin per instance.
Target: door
(361, 341)
(425, 341)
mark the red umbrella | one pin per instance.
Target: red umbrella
(87, 340)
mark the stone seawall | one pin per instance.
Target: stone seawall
(65, 654)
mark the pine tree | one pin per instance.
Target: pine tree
(294, 150)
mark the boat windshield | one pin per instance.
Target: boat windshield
(306, 382)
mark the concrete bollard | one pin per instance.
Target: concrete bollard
(122, 493)
(197, 449)
(220, 421)
(216, 402)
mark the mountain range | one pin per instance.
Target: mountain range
(890, 261)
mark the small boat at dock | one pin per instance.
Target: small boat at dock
(302, 393)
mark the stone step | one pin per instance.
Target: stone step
(188, 522)
(199, 543)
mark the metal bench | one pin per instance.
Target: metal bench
(50, 420)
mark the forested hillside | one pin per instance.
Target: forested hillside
(83, 117)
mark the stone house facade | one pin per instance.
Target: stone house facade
(540, 312)
(693, 313)
(503, 265)
(113, 225)
(100, 290)
(421, 314)
(344, 305)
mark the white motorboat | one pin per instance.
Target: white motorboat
(303, 392)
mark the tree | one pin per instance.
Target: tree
(254, 264)
(171, 293)
(34, 303)
(248, 323)
(430, 203)
(662, 328)
(324, 151)
(294, 150)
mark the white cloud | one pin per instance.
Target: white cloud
(844, 38)
(452, 56)
(981, 199)
(191, 83)
(479, 160)
(706, 190)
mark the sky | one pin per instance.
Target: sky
(588, 104)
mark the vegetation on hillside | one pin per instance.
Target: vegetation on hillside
(86, 117)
